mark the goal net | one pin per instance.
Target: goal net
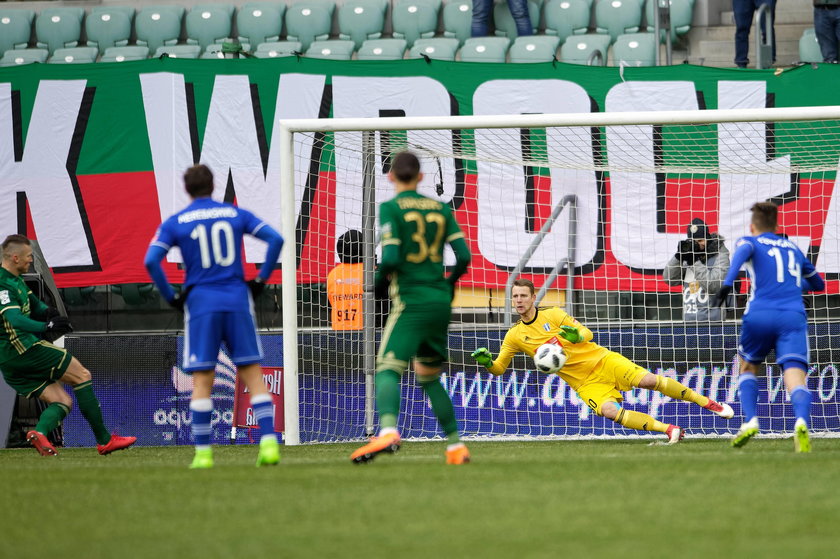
(590, 207)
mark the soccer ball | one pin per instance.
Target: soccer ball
(549, 358)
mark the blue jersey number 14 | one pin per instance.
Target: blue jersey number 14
(222, 248)
(794, 269)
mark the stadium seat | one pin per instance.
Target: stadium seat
(278, 49)
(635, 49)
(537, 48)
(457, 20)
(360, 20)
(208, 23)
(125, 54)
(212, 52)
(15, 29)
(135, 294)
(590, 49)
(108, 28)
(436, 48)
(157, 26)
(57, 28)
(178, 51)
(503, 20)
(617, 17)
(259, 22)
(415, 19)
(566, 17)
(809, 48)
(485, 49)
(14, 57)
(308, 21)
(78, 296)
(333, 50)
(682, 12)
(74, 55)
(382, 49)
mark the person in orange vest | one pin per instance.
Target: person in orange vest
(345, 284)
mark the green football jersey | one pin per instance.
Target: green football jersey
(419, 227)
(14, 294)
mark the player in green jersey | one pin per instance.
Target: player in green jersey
(414, 230)
(33, 366)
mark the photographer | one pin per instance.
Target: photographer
(700, 264)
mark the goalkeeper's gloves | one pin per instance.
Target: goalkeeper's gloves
(56, 327)
(483, 357)
(256, 285)
(571, 334)
(721, 295)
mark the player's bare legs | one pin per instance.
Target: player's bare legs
(678, 391)
(800, 399)
(429, 380)
(201, 409)
(263, 406)
(641, 421)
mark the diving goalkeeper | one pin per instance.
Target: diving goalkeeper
(594, 372)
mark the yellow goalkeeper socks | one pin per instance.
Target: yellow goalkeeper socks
(674, 389)
(641, 421)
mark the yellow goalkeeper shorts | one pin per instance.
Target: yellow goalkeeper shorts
(613, 375)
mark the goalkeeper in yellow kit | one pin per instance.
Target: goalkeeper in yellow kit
(597, 374)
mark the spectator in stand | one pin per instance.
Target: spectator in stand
(827, 28)
(744, 11)
(481, 17)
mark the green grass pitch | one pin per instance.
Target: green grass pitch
(517, 499)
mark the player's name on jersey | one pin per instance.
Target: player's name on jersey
(775, 242)
(207, 213)
(418, 204)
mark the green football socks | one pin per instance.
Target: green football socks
(442, 407)
(89, 406)
(51, 417)
(387, 398)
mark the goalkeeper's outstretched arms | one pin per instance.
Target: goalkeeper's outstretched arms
(484, 357)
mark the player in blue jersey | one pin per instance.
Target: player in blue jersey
(774, 319)
(217, 303)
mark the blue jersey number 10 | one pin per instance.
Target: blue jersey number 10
(220, 241)
(793, 267)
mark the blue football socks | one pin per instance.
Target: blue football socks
(202, 410)
(800, 399)
(264, 413)
(748, 395)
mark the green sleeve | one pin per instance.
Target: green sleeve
(19, 321)
(455, 238)
(389, 230)
(36, 306)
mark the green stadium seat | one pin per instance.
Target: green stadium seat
(485, 49)
(157, 26)
(566, 17)
(309, 20)
(682, 12)
(209, 23)
(57, 28)
(178, 51)
(382, 49)
(15, 29)
(125, 54)
(457, 20)
(360, 20)
(436, 48)
(259, 22)
(809, 48)
(212, 52)
(635, 49)
(617, 17)
(590, 49)
(74, 55)
(278, 49)
(135, 294)
(15, 57)
(503, 20)
(332, 50)
(78, 296)
(537, 48)
(414, 19)
(109, 27)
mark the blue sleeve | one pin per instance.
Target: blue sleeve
(813, 280)
(152, 262)
(743, 251)
(275, 243)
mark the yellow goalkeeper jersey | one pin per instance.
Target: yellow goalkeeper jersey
(528, 336)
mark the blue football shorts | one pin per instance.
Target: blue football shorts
(204, 334)
(786, 331)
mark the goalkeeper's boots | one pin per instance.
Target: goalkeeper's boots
(721, 409)
(801, 439)
(269, 452)
(747, 431)
(457, 454)
(675, 434)
(41, 443)
(203, 459)
(389, 442)
(116, 443)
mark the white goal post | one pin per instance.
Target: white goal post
(630, 182)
